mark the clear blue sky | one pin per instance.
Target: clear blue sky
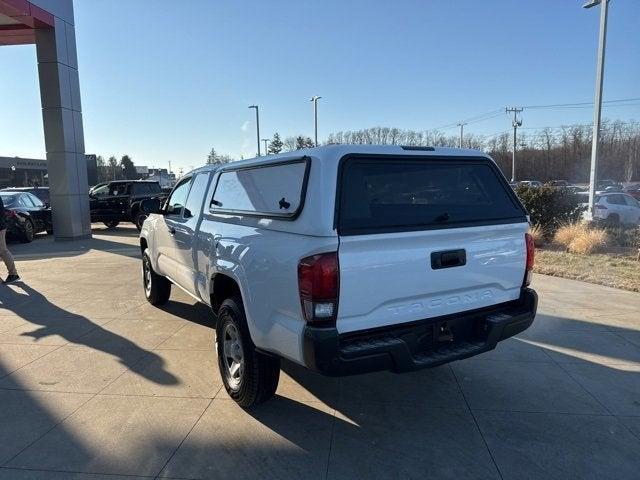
(164, 80)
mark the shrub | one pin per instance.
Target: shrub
(550, 207)
(588, 242)
(620, 236)
(581, 238)
(538, 234)
(567, 232)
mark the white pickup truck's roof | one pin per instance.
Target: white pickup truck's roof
(336, 152)
(317, 216)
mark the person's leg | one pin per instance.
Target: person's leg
(5, 254)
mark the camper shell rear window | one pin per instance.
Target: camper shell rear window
(378, 194)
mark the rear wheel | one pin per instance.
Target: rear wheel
(249, 377)
(111, 224)
(613, 220)
(28, 232)
(157, 289)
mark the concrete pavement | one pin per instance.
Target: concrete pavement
(96, 384)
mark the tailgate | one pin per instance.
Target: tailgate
(390, 278)
(425, 236)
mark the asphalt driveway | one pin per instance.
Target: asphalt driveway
(96, 384)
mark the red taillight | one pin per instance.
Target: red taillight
(531, 252)
(10, 214)
(318, 284)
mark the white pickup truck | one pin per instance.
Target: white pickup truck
(345, 259)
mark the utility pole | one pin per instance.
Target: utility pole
(315, 99)
(516, 123)
(265, 140)
(602, 39)
(257, 125)
(461, 125)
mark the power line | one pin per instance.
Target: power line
(580, 104)
(621, 102)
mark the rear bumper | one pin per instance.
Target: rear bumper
(422, 344)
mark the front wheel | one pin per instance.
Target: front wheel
(28, 232)
(249, 377)
(157, 289)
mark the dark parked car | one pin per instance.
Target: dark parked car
(633, 190)
(603, 184)
(119, 201)
(558, 183)
(41, 192)
(26, 215)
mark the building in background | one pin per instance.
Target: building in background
(163, 176)
(29, 172)
(23, 172)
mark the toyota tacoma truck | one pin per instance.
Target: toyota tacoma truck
(345, 259)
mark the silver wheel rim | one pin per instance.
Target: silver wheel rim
(233, 356)
(146, 276)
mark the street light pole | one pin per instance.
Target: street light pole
(257, 125)
(461, 125)
(266, 140)
(593, 174)
(315, 99)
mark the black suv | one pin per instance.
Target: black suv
(119, 201)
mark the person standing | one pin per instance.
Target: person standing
(7, 258)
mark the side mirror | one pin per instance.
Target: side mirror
(151, 205)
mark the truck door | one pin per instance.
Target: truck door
(185, 234)
(165, 230)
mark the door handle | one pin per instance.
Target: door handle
(172, 230)
(448, 259)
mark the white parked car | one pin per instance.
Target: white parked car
(345, 259)
(615, 208)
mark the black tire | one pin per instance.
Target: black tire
(157, 289)
(28, 232)
(111, 224)
(139, 219)
(613, 220)
(257, 379)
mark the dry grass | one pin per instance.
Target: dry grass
(581, 238)
(613, 271)
(537, 232)
(566, 233)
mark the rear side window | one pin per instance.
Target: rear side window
(398, 194)
(139, 188)
(275, 190)
(615, 200)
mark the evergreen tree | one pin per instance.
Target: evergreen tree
(128, 168)
(275, 146)
(212, 158)
(303, 142)
(215, 158)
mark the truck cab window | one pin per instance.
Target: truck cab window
(196, 195)
(178, 197)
